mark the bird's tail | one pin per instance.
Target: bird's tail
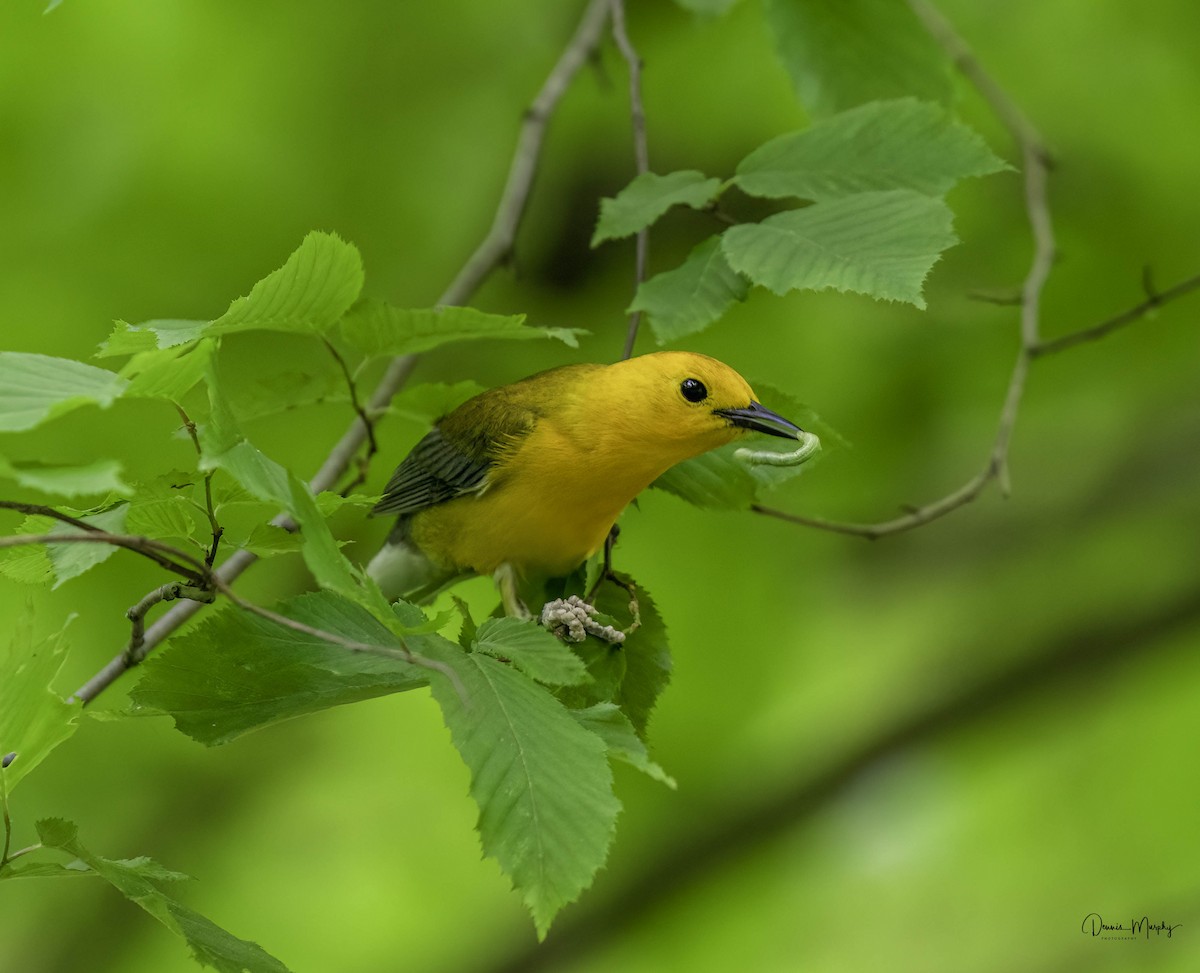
(403, 571)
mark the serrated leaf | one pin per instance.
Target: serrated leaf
(532, 650)
(31, 869)
(542, 782)
(161, 518)
(102, 476)
(432, 400)
(375, 328)
(712, 480)
(631, 675)
(902, 144)
(137, 880)
(645, 652)
(689, 298)
(26, 565)
(312, 290)
(167, 373)
(853, 51)
(267, 540)
(647, 197)
(33, 718)
(36, 388)
(224, 447)
(71, 559)
(147, 336)
(881, 244)
(236, 672)
(613, 727)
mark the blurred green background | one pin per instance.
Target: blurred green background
(157, 159)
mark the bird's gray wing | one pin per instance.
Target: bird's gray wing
(434, 472)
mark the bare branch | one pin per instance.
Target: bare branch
(641, 153)
(1154, 300)
(491, 252)
(161, 554)
(209, 509)
(366, 419)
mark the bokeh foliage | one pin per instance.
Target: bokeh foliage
(155, 161)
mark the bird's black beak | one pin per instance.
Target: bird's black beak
(761, 419)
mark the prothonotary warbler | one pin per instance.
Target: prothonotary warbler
(523, 482)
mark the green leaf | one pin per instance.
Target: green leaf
(309, 293)
(645, 653)
(689, 298)
(712, 480)
(903, 144)
(162, 518)
(852, 51)
(267, 540)
(532, 650)
(225, 448)
(26, 565)
(102, 476)
(236, 672)
(432, 400)
(613, 727)
(647, 197)
(881, 244)
(168, 373)
(33, 718)
(31, 869)
(138, 879)
(375, 328)
(631, 675)
(543, 786)
(35, 388)
(72, 559)
(133, 339)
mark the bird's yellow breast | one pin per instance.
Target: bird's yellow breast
(548, 505)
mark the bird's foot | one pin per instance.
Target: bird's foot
(572, 620)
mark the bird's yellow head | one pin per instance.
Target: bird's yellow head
(679, 404)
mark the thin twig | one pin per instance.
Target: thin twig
(134, 652)
(161, 554)
(213, 524)
(1155, 299)
(490, 254)
(641, 153)
(368, 422)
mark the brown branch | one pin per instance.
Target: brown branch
(163, 555)
(641, 153)
(367, 421)
(213, 524)
(1154, 300)
(487, 256)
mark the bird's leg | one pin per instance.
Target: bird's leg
(608, 574)
(506, 580)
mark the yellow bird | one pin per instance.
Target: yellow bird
(523, 482)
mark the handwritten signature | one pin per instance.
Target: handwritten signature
(1094, 924)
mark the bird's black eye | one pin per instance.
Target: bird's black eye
(693, 390)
